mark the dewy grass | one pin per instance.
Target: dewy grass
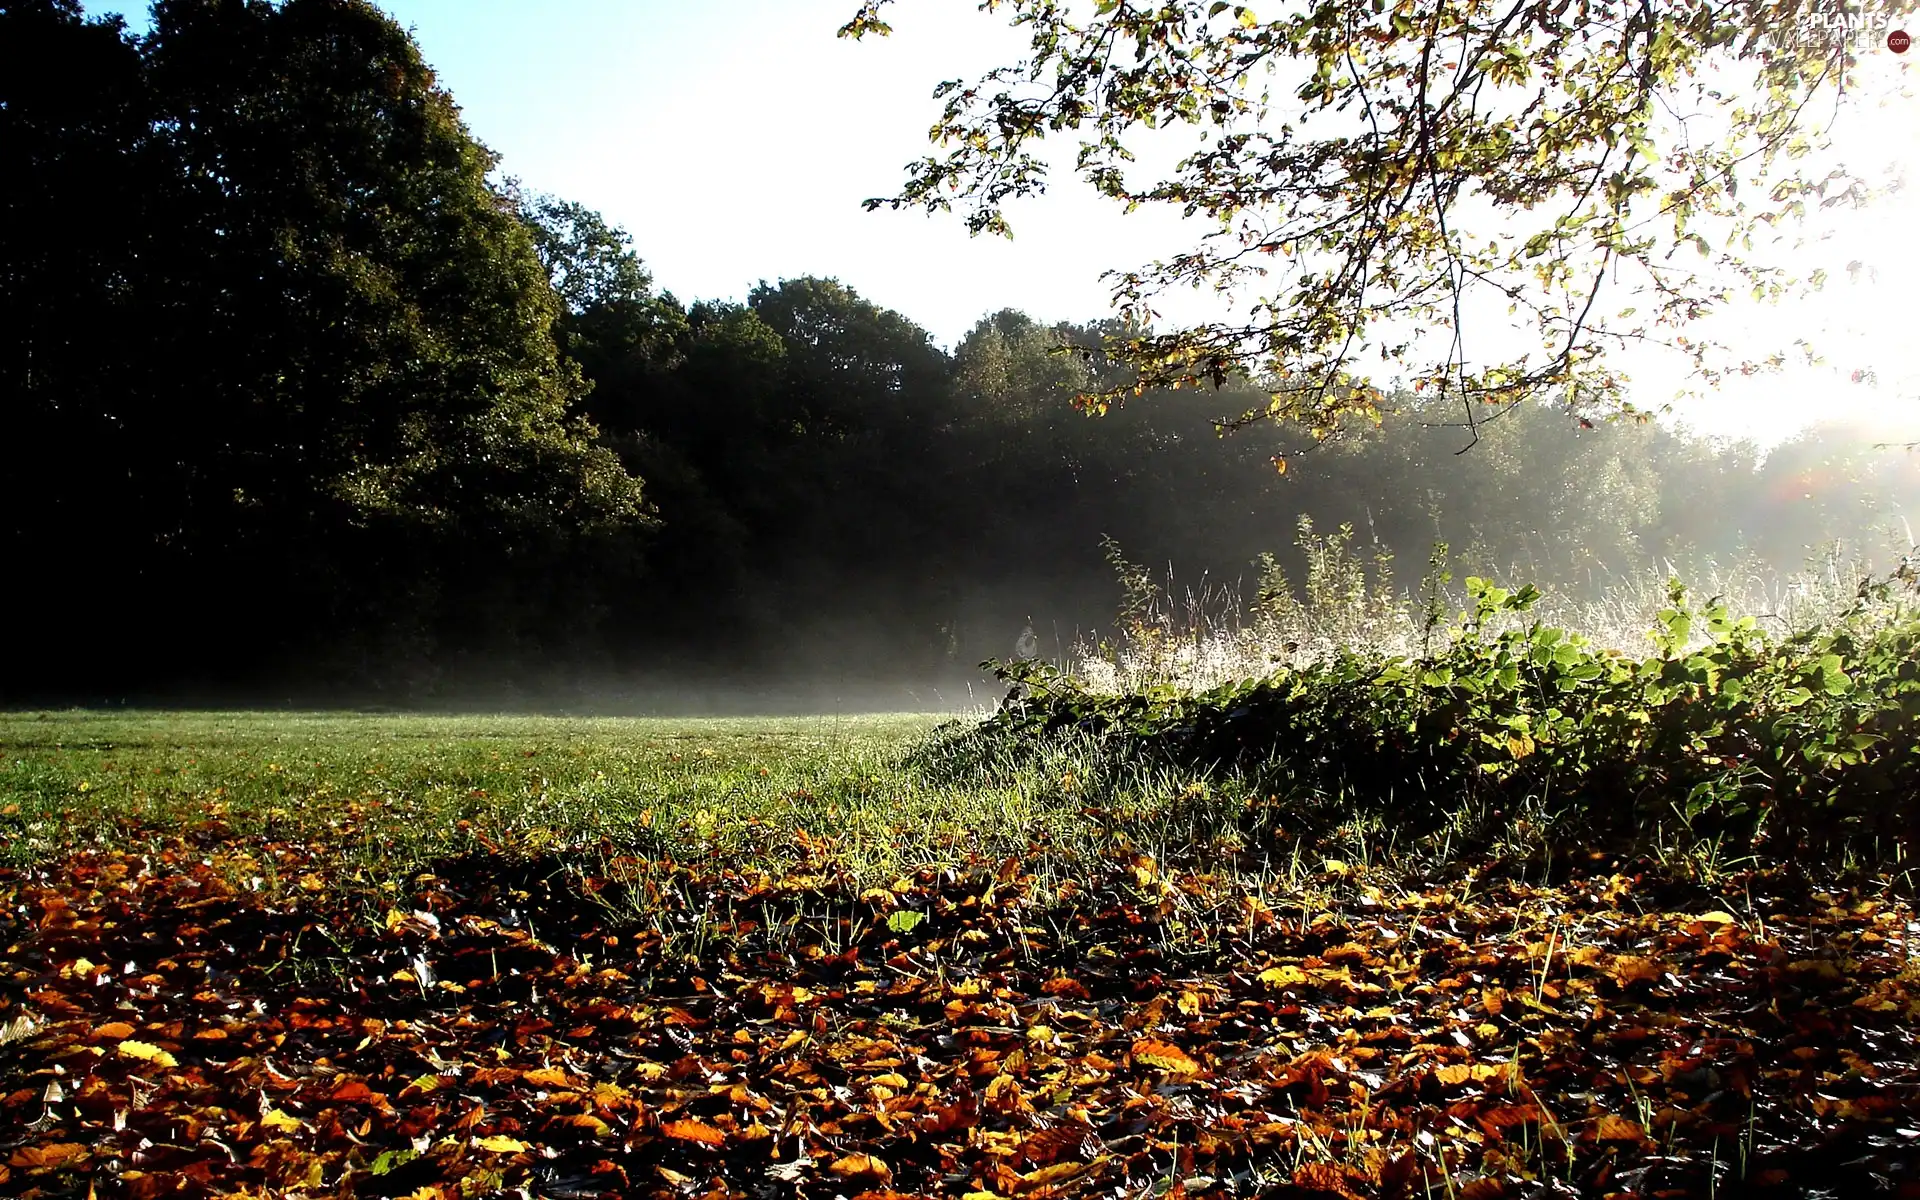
(1350, 599)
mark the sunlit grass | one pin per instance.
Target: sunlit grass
(866, 799)
(413, 787)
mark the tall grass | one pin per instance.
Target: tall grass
(1351, 598)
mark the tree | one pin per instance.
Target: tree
(1397, 166)
(299, 354)
(853, 368)
(611, 321)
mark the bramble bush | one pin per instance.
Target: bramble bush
(1799, 744)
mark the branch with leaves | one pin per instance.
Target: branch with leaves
(1376, 171)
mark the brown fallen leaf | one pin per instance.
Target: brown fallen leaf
(49, 1157)
(114, 1031)
(1164, 1056)
(1326, 1178)
(1628, 969)
(861, 1166)
(690, 1130)
(1613, 1128)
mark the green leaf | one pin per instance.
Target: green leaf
(905, 920)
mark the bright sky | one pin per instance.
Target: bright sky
(736, 142)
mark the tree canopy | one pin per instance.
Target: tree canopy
(271, 326)
(1595, 168)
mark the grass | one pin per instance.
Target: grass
(405, 790)
(375, 800)
(1356, 598)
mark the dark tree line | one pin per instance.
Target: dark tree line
(298, 402)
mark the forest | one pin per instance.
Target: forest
(307, 401)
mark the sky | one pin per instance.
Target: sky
(737, 142)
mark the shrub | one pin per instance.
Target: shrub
(1803, 741)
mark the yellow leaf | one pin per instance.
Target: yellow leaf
(1716, 917)
(147, 1052)
(1058, 1172)
(273, 1118)
(1285, 976)
(500, 1143)
(547, 1077)
(610, 1095)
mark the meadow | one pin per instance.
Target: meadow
(454, 956)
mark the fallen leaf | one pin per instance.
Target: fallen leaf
(1284, 976)
(500, 1143)
(694, 1131)
(147, 1052)
(49, 1157)
(861, 1166)
(1612, 1128)
(1164, 1056)
(1629, 969)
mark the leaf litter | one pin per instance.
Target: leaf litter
(1001, 1029)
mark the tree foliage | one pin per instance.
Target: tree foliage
(1376, 169)
(277, 336)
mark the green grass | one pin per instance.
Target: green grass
(394, 794)
(397, 791)
(382, 798)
